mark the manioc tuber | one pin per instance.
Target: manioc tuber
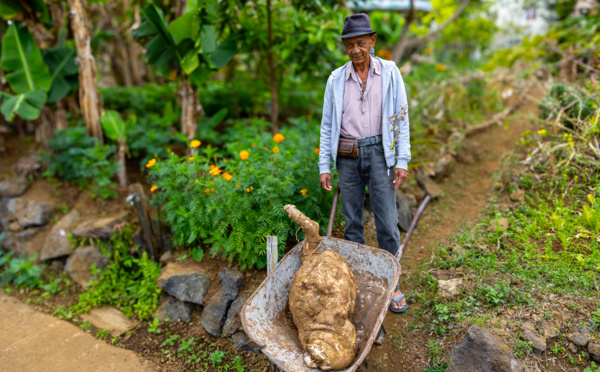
(322, 301)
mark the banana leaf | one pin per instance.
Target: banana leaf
(65, 72)
(22, 61)
(114, 126)
(27, 105)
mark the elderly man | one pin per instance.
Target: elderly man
(365, 131)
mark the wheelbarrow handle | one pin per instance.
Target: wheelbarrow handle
(333, 210)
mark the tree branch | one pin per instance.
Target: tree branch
(398, 49)
(412, 43)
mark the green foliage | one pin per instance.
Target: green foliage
(115, 127)
(79, 158)
(153, 326)
(21, 272)
(141, 101)
(234, 217)
(129, 281)
(102, 334)
(64, 70)
(523, 348)
(568, 103)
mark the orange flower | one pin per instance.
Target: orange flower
(153, 188)
(276, 150)
(227, 176)
(191, 158)
(380, 52)
(317, 151)
(266, 148)
(251, 188)
(244, 155)
(195, 143)
(304, 192)
(248, 190)
(215, 171)
(211, 166)
(278, 137)
(254, 145)
(238, 185)
(150, 163)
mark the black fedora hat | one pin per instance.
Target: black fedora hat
(356, 25)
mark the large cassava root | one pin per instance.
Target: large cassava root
(322, 301)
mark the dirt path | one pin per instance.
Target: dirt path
(33, 341)
(466, 192)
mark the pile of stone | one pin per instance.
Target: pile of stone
(184, 290)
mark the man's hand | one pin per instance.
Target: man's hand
(399, 177)
(325, 180)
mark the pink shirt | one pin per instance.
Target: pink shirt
(361, 116)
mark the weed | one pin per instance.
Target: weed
(153, 327)
(592, 368)
(216, 357)
(62, 312)
(523, 348)
(85, 326)
(102, 334)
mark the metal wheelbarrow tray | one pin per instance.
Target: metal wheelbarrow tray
(267, 321)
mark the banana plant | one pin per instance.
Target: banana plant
(36, 78)
(116, 129)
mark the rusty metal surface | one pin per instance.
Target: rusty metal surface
(267, 321)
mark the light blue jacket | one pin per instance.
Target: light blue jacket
(394, 98)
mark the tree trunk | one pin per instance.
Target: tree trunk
(398, 48)
(122, 174)
(189, 107)
(403, 45)
(88, 92)
(272, 74)
(43, 127)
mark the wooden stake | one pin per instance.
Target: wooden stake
(271, 253)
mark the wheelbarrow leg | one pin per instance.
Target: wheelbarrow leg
(381, 337)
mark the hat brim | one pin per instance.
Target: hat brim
(358, 33)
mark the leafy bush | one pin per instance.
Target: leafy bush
(568, 103)
(129, 282)
(21, 272)
(79, 158)
(233, 203)
(139, 100)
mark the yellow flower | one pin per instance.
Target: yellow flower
(317, 151)
(251, 188)
(191, 158)
(276, 150)
(150, 163)
(427, 50)
(153, 188)
(266, 148)
(215, 171)
(542, 131)
(441, 67)
(238, 185)
(227, 176)
(244, 155)
(195, 143)
(304, 192)
(248, 190)
(211, 189)
(278, 137)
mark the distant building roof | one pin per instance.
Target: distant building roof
(391, 5)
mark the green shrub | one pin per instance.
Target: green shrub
(129, 281)
(79, 158)
(139, 100)
(231, 205)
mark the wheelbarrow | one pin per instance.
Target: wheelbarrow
(266, 317)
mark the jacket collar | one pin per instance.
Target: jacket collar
(374, 68)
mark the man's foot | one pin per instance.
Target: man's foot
(400, 303)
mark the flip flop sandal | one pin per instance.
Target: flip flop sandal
(397, 301)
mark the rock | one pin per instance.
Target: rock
(538, 343)
(29, 165)
(78, 264)
(481, 350)
(498, 224)
(174, 310)
(14, 226)
(549, 329)
(231, 282)
(572, 348)
(29, 213)
(19, 242)
(242, 342)
(412, 200)
(517, 195)
(108, 317)
(99, 228)
(184, 283)
(443, 167)
(215, 312)
(594, 350)
(57, 243)
(57, 265)
(579, 339)
(166, 257)
(404, 213)
(14, 186)
(234, 321)
(449, 288)
(427, 184)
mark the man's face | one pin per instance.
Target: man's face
(358, 47)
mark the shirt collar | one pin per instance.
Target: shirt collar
(374, 67)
